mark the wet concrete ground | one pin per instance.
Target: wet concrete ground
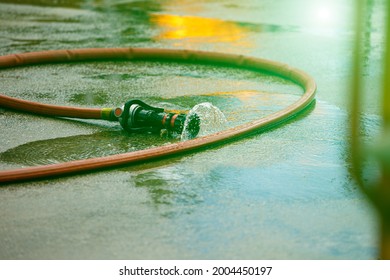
(281, 194)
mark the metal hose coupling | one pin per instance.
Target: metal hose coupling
(137, 116)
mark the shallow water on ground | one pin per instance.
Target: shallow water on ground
(280, 194)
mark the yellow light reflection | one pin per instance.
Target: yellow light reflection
(198, 30)
(243, 95)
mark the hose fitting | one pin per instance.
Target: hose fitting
(137, 116)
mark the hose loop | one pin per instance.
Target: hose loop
(190, 56)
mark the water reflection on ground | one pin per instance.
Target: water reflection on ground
(285, 193)
(192, 31)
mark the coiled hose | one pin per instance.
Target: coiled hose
(188, 56)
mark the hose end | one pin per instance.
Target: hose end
(136, 115)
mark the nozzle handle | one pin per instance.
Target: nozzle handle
(126, 119)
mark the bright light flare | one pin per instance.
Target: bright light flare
(328, 17)
(325, 14)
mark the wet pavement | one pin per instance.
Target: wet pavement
(281, 194)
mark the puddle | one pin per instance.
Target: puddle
(80, 147)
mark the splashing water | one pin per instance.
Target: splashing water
(211, 120)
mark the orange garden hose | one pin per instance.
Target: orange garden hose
(49, 110)
(78, 55)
